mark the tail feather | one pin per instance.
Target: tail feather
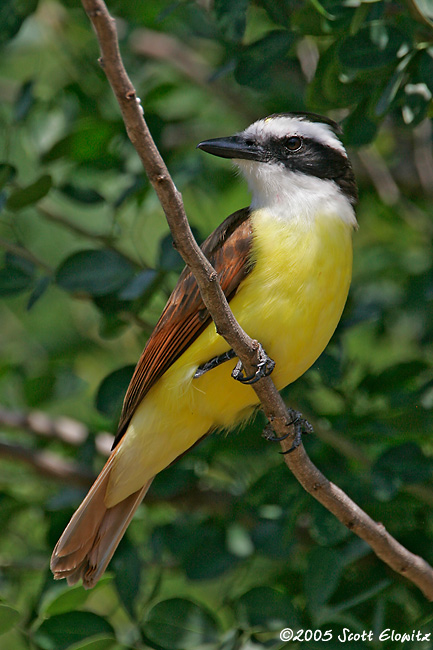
(93, 534)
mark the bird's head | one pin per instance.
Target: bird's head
(289, 152)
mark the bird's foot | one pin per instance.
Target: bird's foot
(214, 363)
(300, 425)
(264, 368)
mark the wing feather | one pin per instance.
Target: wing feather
(185, 316)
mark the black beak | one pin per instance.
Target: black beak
(235, 146)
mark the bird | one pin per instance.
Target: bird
(285, 265)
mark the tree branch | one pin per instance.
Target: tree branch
(62, 428)
(49, 464)
(20, 251)
(245, 348)
(55, 467)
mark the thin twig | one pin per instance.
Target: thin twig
(381, 177)
(422, 135)
(48, 213)
(20, 251)
(385, 547)
(389, 192)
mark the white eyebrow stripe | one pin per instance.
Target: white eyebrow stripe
(283, 126)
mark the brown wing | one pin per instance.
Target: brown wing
(185, 316)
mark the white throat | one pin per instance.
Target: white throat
(294, 196)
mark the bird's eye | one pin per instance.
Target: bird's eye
(294, 143)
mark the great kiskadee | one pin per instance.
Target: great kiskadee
(285, 265)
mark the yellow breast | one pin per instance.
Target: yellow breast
(291, 302)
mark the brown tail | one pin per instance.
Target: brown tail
(91, 537)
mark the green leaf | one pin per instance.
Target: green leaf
(169, 258)
(202, 549)
(94, 272)
(64, 599)
(426, 68)
(126, 565)
(12, 15)
(89, 140)
(321, 579)
(15, 261)
(41, 286)
(321, 10)
(392, 87)
(177, 623)
(231, 18)
(81, 194)
(9, 617)
(370, 49)
(417, 99)
(9, 506)
(307, 21)
(139, 284)
(359, 129)
(325, 529)
(98, 642)
(14, 281)
(111, 391)
(257, 59)
(266, 608)
(280, 12)
(39, 389)
(7, 174)
(424, 9)
(33, 193)
(24, 101)
(135, 189)
(329, 365)
(175, 480)
(270, 538)
(394, 378)
(404, 464)
(330, 88)
(59, 632)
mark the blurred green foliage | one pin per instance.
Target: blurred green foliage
(228, 549)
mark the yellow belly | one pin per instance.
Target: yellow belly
(291, 302)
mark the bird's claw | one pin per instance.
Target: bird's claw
(300, 425)
(265, 367)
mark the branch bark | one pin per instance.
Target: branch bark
(385, 547)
